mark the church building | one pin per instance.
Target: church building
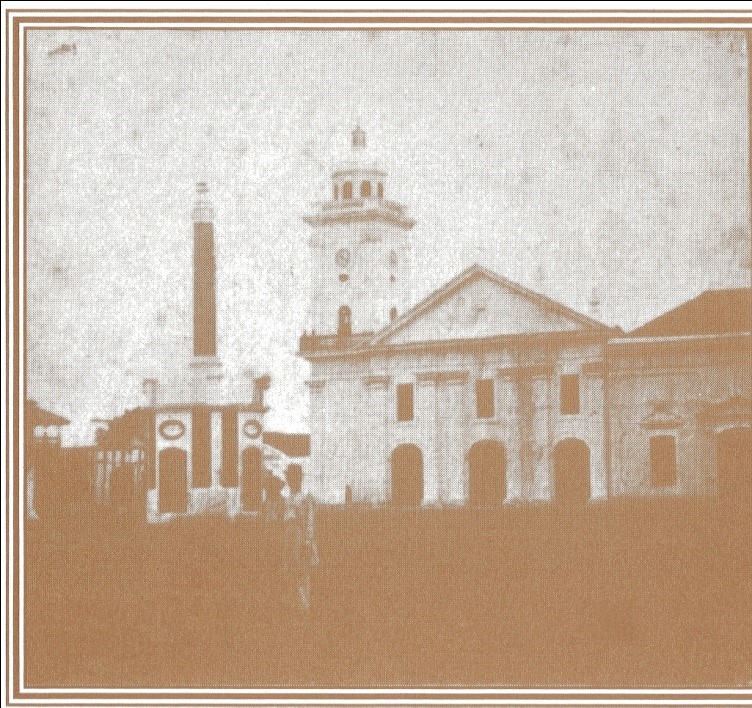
(488, 393)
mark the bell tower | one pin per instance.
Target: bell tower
(361, 249)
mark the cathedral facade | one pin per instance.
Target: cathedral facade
(488, 393)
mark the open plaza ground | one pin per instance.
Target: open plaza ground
(635, 594)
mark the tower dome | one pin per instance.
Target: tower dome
(357, 175)
(360, 248)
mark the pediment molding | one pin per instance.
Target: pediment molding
(663, 416)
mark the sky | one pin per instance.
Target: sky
(571, 162)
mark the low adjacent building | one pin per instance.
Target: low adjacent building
(680, 401)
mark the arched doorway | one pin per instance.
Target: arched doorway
(734, 464)
(173, 480)
(487, 483)
(572, 472)
(407, 475)
(252, 479)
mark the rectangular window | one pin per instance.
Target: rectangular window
(201, 447)
(404, 401)
(663, 461)
(484, 398)
(570, 394)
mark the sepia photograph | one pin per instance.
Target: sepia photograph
(366, 355)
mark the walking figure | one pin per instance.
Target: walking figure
(300, 545)
(273, 502)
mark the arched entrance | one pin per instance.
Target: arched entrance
(572, 472)
(734, 464)
(251, 480)
(407, 475)
(487, 482)
(173, 480)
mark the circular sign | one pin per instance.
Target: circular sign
(252, 429)
(343, 258)
(172, 429)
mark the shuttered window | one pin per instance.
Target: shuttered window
(484, 398)
(404, 401)
(570, 394)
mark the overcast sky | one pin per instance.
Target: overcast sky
(567, 161)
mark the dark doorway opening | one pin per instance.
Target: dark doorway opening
(572, 472)
(173, 480)
(734, 464)
(407, 476)
(487, 482)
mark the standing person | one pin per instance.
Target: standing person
(273, 486)
(300, 544)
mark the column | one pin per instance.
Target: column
(426, 434)
(509, 395)
(533, 392)
(317, 483)
(376, 455)
(542, 428)
(450, 388)
(593, 380)
(526, 427)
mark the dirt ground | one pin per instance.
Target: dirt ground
(638, 594)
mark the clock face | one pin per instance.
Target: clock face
(343, 258)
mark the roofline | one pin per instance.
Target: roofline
(357, 171)
(346, 217)
(619, 341)
(188, 406)
(687, 302)
(475, 270)
(518, 340)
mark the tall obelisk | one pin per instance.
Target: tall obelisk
(206, 367)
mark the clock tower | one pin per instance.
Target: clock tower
(360, 250)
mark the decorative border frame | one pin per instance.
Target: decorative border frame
(16, 23)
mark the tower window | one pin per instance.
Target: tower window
(663, 461)
(392, 314)
(365, 188)
(336, 192)
(484, 398)
(347, 190)
(380, 190)
(344, 321)
(570, 394)
(404, 401)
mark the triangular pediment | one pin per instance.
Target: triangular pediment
(481, 304)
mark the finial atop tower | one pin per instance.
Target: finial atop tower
(358, 137)
(203, 212)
